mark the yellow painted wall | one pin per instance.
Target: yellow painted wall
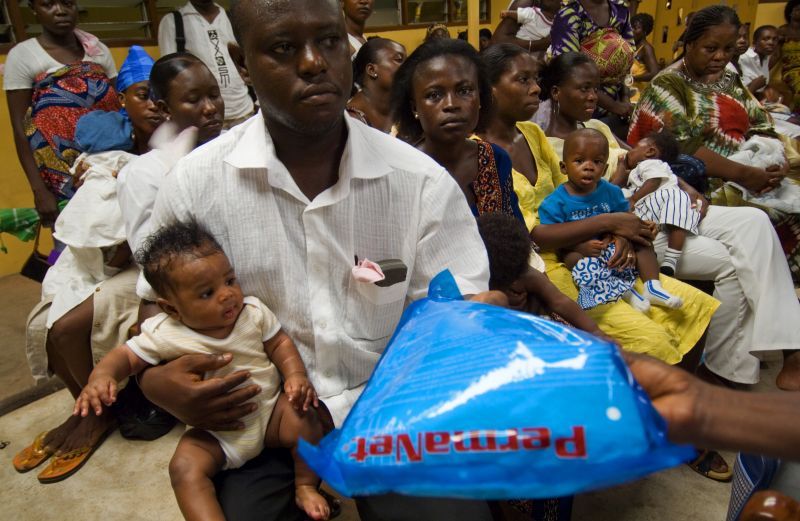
(667, 18)
(14, 189)
(769, 14)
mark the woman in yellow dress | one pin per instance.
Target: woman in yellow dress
(665, 334)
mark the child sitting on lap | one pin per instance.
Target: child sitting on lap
(654, 194)
(509, 246)
(584, 195)
(205, 312)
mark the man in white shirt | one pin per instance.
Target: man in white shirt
(297, 195)
(755, 61)
(208, 31)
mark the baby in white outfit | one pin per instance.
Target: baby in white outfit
(654, 194)
(206, 313)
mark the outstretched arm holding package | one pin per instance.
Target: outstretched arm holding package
(760, 422)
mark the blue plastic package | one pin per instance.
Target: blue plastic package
(476, 401)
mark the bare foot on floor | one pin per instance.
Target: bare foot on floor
(88, 432)
(55, 437)
(309, 499)
(789, 377)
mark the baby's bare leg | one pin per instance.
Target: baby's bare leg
(285, 427)
(197, 459)
(646, 263)
(571, 258)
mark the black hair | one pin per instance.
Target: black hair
(559, 69)
(166, 68)
(485, 33)
(241, 19)
(408, 127)
(667, 145)
(176, 240)
(787, 11)
(645, 20)
(368, 53)
(497, 59)
(583, 132)
(763, 28)
(708, 17)
(508, 246)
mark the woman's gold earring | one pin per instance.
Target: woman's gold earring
(416, 115)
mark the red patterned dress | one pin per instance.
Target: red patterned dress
(493, 187)
(719, 116)
(59, 100)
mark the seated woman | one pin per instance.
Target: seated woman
(645, 66)
(440, 96)
(374, 68)
(96, 252)
(665, 333)
(101, 321)
(712, 114)
(51, 81)
(716, 253)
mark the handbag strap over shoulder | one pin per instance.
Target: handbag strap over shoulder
(180, 36)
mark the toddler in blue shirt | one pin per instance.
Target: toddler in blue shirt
(584, 195)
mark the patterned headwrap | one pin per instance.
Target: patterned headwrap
(136, 68)
(612, 54)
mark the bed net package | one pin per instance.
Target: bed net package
(476, 401)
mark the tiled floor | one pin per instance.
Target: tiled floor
(127, 480)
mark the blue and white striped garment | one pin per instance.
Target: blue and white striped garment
(668, 205)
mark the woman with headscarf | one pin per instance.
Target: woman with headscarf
(94, 267)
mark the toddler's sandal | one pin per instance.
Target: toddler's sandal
(703, 466)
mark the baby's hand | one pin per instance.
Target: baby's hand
(591, 248)
(300, 392)
(101, 390)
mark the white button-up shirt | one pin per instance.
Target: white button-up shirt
(390, 202)
(752, 67)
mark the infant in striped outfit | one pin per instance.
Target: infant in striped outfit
(654, 194)
(205, 312)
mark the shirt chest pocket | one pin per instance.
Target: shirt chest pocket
(373, 311)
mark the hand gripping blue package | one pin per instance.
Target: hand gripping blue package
(476, 401)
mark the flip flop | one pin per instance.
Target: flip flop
(702, 465)
(67, 464)
(33, 455)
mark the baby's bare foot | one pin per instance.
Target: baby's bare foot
(307, 498)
